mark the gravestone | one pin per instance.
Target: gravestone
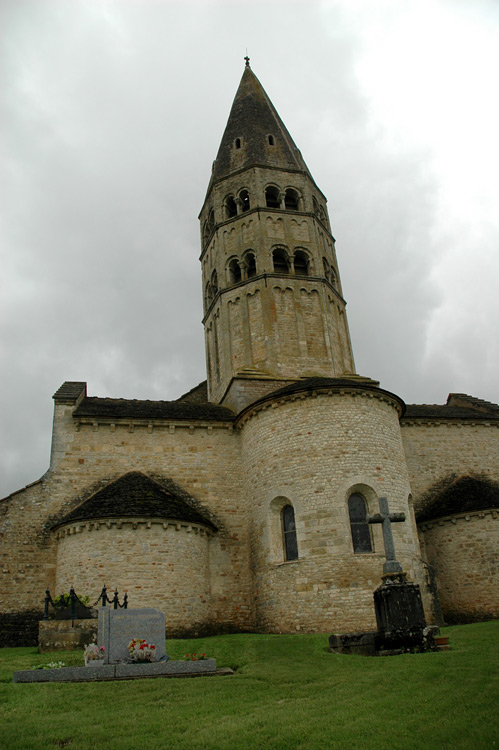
(397, 602)
(117, 627)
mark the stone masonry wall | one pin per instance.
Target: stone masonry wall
(202, 459)
(436, 449)
(463, 549)
(159, 563)
(313, 452)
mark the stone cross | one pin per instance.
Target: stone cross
(386, 518)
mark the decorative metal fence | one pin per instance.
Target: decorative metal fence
(70, 607)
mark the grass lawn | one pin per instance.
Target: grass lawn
(288, 692)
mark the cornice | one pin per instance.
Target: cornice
(352, 389)
(458, 517)
(94, 525)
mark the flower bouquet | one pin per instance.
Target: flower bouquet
(95, 654)
(141, 651)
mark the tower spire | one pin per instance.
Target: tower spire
(274, 312)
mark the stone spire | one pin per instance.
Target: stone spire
(274, 310)
(253, 120)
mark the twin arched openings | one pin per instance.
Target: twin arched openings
(298, 263)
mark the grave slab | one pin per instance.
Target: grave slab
(117, 627)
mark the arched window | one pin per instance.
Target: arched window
(333, 279)
(280, 261)
(237, 143)
(234, 271)
(327, 269)
(271, 140)
(361, 533)
(245, 200)
(250, 265)
(272, 197)
(301, 263)
(291, 200)
(230, 207)
(289, 533)
(214, 284)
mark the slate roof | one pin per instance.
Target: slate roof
(253, 118)
(136, 495)
(456, 495)
(120, 408)
(311, 384)
(459, 406)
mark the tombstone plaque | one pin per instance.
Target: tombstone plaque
(117, 627)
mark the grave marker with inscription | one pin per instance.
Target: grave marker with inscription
(117, 627)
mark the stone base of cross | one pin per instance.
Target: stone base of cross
(391, 566)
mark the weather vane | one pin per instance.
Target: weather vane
(247, 60)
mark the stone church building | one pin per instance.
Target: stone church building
(242, 504)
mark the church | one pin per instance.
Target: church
(242, 505)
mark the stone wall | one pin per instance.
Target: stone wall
(437, 449)
(313, 451)
(202, 459)
(463, 549)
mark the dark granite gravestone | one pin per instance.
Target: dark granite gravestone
(397, 603)
(117, 627)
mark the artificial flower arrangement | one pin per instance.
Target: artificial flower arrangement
(195, 657)
(140, 650)
(94, 653)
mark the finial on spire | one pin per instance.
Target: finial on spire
(247, 60)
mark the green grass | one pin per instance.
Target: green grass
(288, 692)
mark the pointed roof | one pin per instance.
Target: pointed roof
(135, 494)
(253, 118)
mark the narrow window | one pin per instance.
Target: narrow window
(251, 265)
(327, 269)
(238, 143)
(214, 284)
(271, 140)
(234, 272)
(289, 533)
(291, 200)
(245, 201)
(272, 197)
(230, 207)
(301, 263)
(280, 261)
(361, 533)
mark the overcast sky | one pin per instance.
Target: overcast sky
(112, 113)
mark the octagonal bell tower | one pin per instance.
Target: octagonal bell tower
(273, 306)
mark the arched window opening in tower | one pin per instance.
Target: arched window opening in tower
(280, 261)
(291, 199)
(301, 263)
(327, 269)
(289, 533)
(315, 205)
(333, 279)
(272, 197)
(271, 140)
(245, 200)
(230, 207)
(211, 221)
(237, 143)
(250, 265)
(234, 271)
(361, 532)
(214, 284)
(208, 295)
